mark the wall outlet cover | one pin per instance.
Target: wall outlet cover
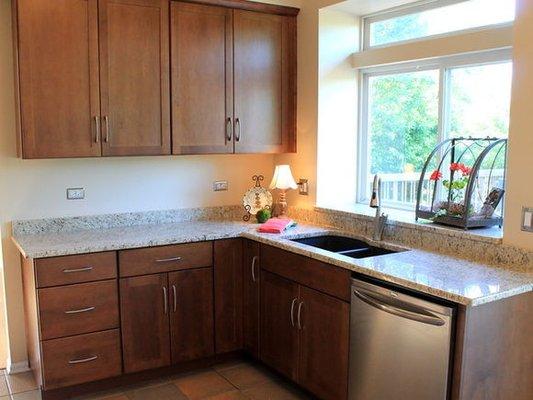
(527, 219)
(220, 186)
(75, 193)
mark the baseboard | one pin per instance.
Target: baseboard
(17, 368)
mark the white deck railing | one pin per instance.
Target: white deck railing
(399, 190)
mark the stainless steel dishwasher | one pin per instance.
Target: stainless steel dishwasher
(399, 345)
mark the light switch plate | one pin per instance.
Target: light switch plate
(527, 219)
(75, 193)
(220, 186)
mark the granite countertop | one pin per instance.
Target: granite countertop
(452, 279)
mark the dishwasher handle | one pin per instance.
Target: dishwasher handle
(400, 312)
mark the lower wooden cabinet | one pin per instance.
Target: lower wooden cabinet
(191, 314)
(250, 299)
(145, 322)
(324, 344)
(305, 336)
(166, 318)
(83, 358)
(279, 333)
(228, 295)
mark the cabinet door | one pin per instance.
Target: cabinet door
(265, 79)
(324, 345)
(134, 60)
(58, 78)
(191, 314)
(145, 322)
(228, 295)
(202, 86)
(279, 334)
(251, 277)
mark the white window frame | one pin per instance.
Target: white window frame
(415, 8)
(444, 65)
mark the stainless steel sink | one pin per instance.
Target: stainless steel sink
(347, 246)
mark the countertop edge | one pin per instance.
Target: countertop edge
(284, 242)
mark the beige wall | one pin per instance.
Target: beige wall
(36, 188)
(520, 166)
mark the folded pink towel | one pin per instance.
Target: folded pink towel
(275, 225)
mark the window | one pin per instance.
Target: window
(406, 110)
(435, 18)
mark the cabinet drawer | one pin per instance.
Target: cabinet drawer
(76, 309)
(66, 270)
(78, 359)
(154, 260)
(307, 271)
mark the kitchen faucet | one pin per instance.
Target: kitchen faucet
(375, 202)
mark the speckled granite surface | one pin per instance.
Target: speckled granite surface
(424, 236)
(449, 278)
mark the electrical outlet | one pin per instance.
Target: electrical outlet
(75, 193)
(527, 219)
(220, 186)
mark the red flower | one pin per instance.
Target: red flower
(460, 167)
(466, 170)
(435, 175)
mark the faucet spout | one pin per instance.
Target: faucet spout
(375, 202)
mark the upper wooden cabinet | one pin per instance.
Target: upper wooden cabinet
(93, 77)
(58, 77)
(233, 80)
(134, 77)
(202, 94)
(265, 83)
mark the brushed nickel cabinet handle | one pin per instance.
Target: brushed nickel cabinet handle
(165, 300)
(81, 310)
(254, 261)
(83, 360)
(229, 130)
(175, 295)
(171, 259)
(74, 270)
(237, 130)
(292, 311)
(97, 129)
(300, 306)
(107, 128)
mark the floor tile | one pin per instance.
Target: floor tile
(245, 375)
(275, 391)
(203, 384)
(22, 382)
(236, 395)
(31, 395)
(5, 398)
(168, 391)
(4, 390)
(100, 396)
(228, 365)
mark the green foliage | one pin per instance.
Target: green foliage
(397, 29)
(404, 120)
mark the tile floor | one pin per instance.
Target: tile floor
(231, 381)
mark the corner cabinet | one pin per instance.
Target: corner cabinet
(93, 77)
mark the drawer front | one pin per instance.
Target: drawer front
(317, 275)
(76, 309)
(154, 260)
(66, 270)
(78, 359)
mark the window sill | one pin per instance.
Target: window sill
(406, 219)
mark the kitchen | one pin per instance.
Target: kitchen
(151, 178)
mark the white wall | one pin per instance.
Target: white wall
(338, 103)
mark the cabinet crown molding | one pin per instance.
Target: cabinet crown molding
(249, 6)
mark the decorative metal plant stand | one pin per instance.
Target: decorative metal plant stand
(462, 183)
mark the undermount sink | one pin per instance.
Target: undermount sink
(347, 246)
